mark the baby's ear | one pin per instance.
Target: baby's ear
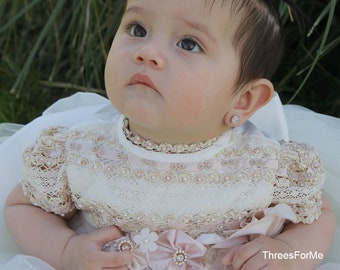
(254, 95)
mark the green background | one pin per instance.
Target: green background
(52, 48)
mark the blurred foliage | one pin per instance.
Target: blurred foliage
(52, 48)
(309, 74)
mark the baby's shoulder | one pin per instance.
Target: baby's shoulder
(57, 138)
(97, 128)
(302, 155)
(299, 169)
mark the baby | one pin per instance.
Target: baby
(180, 179)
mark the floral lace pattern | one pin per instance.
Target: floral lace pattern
(90, 170)
(300, 174)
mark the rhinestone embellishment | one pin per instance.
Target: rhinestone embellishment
(235, 120)
(119, 245)
(180, 257)
(124, 245)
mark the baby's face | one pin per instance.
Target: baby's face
(172, 68)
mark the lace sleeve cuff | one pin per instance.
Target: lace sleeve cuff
(299, 181)
(44, 179)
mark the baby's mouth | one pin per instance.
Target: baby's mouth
(144, 79)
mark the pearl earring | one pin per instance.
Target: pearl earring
(235, 119)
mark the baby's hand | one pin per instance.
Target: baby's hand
(84, 252)
(254, 255)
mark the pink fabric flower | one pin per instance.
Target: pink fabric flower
(177, 250)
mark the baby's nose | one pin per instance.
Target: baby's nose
(150, 55)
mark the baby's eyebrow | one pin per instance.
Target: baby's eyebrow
(134, 9)
(201, 28)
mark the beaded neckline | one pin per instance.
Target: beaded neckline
(163, 147)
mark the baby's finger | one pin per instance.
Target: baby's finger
(228, 259)
(245, 253)
(256, 262)
(116, 260)
(105, 235)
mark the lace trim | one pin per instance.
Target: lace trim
(166, 148)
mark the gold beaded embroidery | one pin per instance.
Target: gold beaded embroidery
(94, 152)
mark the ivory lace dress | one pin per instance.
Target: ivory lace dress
(178, 211)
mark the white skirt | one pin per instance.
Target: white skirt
(290, 122)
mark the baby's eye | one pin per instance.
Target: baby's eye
(136, 30)
(189, 45)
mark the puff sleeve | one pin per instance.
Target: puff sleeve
(44, 179)
(299, 180)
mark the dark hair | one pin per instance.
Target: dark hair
(258, 39)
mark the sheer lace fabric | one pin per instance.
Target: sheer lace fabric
(94, 170)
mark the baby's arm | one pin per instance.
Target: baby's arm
(295, 239)
(47, 236)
